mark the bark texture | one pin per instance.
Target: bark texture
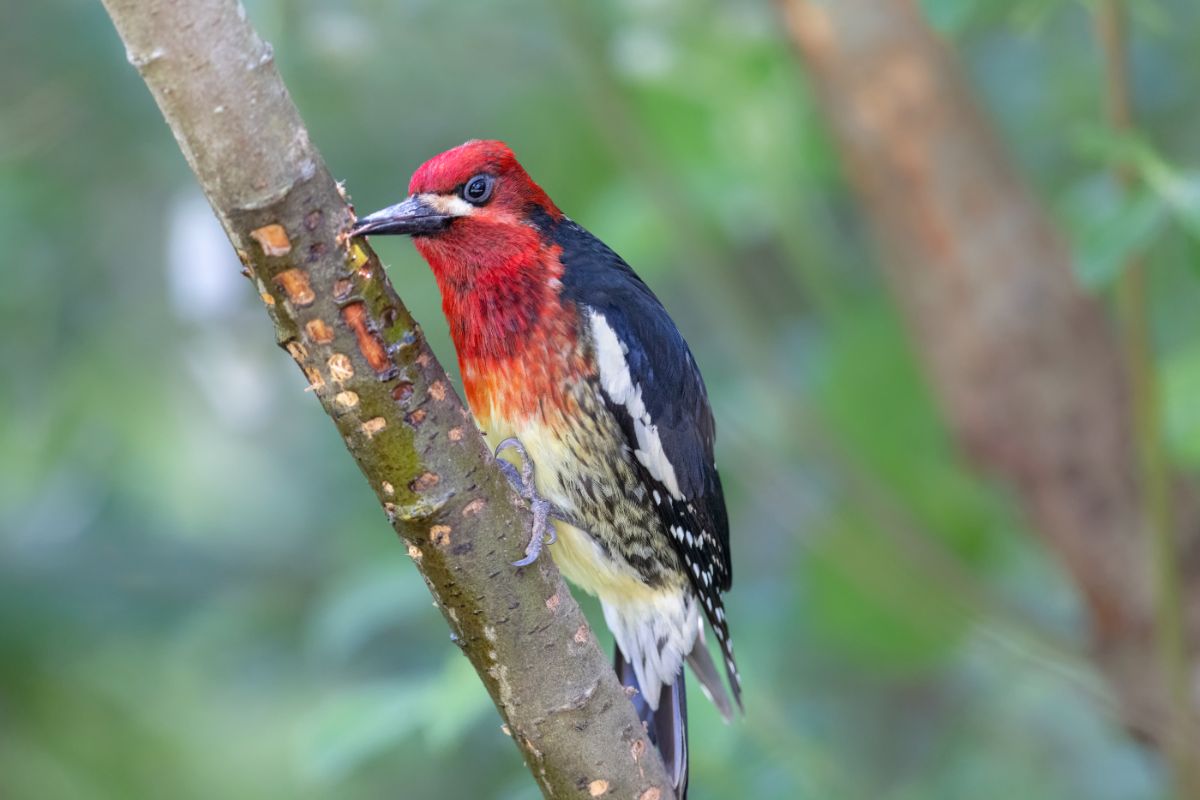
(366, 361)
(1023, 362)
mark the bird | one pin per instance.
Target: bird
(573, 368)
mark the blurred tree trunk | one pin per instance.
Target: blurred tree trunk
(368, 364)
(1023, 362)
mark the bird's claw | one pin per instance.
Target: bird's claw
(543, 532)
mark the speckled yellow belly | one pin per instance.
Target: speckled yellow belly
(579, 556)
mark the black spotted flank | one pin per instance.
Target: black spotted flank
(675, 399)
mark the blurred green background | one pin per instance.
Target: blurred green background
(199, 597)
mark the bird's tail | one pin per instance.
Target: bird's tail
(666, 725)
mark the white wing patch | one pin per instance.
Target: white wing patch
(618, 384)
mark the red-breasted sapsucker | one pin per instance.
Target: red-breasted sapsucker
(570, 360)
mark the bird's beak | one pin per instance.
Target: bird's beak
(412, 216)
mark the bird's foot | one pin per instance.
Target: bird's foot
(543, 532)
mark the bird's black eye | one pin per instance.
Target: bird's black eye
(478, 190)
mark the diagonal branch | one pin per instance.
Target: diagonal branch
(367, 362)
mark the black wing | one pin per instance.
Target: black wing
(660, 363)
(676, 403)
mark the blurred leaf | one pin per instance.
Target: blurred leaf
(1181, 192)
(1107, 227)
(1180, 376)
(866, 601)
(1113, 148)
(358, 724)
(953, 17)
(950, 16)
(1033, 14)
(373, 599)
(1178, 189)
(1150, 16)
(877, 404)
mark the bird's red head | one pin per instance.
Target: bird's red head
(449, 173)
(478, 219)
(469, 210)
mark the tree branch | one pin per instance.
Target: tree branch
(1023, 362)
(367, 362)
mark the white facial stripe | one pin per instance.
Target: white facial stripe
(619, 386)
(449, 204)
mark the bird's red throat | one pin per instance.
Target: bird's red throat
(516, 341)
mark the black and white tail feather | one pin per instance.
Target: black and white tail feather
(665, 717)
(666, 721)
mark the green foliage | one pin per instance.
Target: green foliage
(1180, 384)
(373, 720)
(1177, 189)
(1110, 228)
(868, 600)
(199, 597)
